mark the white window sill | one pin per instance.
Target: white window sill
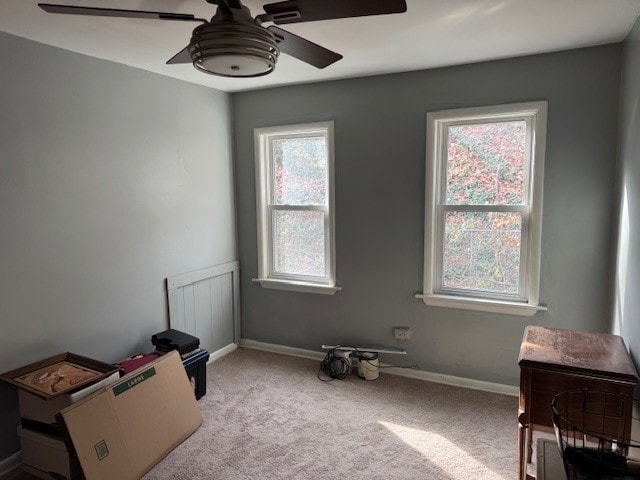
(481, 304)
(296, 286)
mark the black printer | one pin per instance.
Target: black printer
(175, 340)
(194, 358)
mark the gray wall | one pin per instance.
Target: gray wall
(626, 304)
(380, 166)
(111, 179)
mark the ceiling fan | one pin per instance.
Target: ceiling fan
(235, 44)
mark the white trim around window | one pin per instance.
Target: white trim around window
(525, 301)
(268, 207)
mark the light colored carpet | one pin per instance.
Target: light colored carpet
(267, 416)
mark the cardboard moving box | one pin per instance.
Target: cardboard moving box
(124, 430)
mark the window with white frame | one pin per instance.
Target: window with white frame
(483, 208)
(295, 207)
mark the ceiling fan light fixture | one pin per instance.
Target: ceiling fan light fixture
(234, 49)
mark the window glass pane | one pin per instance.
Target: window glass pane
(482, 251)
(299, 242)
(300, 171)
(485, 163)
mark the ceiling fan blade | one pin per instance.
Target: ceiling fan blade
(304, 50)
(296, 11)
(115, 12)
(183, 56)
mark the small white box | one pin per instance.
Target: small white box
(33, 407)
(43, 455)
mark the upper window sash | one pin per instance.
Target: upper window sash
(442, 141)
(270, 151)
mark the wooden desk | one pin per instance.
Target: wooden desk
(553, 360)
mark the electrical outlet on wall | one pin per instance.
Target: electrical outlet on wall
(401, 334)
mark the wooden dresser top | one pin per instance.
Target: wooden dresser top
(573, 351)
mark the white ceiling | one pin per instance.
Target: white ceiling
(432, 33)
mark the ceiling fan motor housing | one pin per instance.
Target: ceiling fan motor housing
(234, 46)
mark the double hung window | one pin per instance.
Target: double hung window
(295, 207)
(483, 208)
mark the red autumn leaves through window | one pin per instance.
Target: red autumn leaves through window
(485, 166)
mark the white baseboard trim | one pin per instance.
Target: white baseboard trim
(10, 464)
(403, 372)
(218, 354)
(272, 347)
(455, 381)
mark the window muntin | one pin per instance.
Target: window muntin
(294, 174)
(482, 230)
